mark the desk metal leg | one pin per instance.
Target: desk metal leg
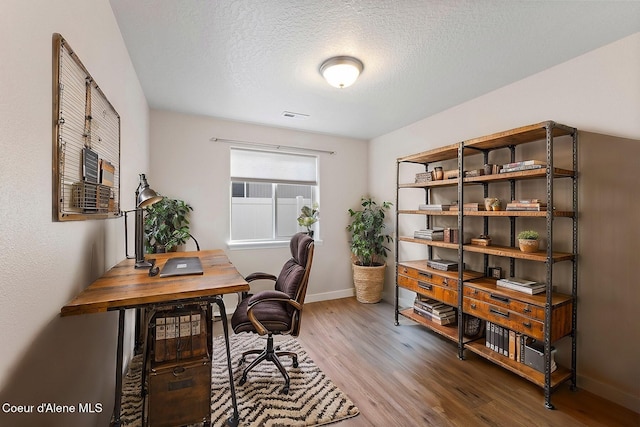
(235, 418)
(118, 399)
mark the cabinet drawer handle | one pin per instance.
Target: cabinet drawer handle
(526, 325)
(499, 313)
(526, 310)
(474, 292)
(425, 286)
(473, 306)
(427, 275)
(499, 298)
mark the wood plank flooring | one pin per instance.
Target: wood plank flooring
(407, 376)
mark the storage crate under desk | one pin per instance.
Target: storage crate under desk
(178, 366)
(179, 393)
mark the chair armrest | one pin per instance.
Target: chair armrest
(250, 278)
(269, 295)
(260, 276)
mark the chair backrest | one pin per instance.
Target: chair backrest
(294, 276)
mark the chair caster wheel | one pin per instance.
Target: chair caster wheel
(242, 381)
(295, 363)
(241, 361)
(285, 390)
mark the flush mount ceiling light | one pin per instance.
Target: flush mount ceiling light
(341, 71)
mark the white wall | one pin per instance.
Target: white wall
(186, 165)
(598, 93)
(43, 263)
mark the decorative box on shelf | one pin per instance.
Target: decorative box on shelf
(423, 177)
(481, 241)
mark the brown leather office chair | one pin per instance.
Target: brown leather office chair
(276, 311)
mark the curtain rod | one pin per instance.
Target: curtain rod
(276, 146)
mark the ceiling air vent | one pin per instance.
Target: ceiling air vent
(298, 116)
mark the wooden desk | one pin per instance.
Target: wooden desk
(124, 287)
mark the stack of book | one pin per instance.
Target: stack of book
(435, 233)
(521, 285)
(500, 340)
(434, 207)
(435, 311)
(522, 166)
(518, 347)
(468, 207)
(443, 264)
(527, 205)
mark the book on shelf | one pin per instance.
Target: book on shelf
(433, 207)
(434, 306)
(451, 235)
(443, 264)
(526, 205)
(440, 320)
(512, 345)
(531, 208)
(521, 168)
(435, 233)
(524, 163)
(501, 340)
(521, 285)
(468, 207)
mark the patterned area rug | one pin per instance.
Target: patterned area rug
(313, 399)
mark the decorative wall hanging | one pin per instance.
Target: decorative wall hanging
(86, 142)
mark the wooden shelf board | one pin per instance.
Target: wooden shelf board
(520, 175)
(438, 243)
(421, 264)
(448, 152)
(448, 331)
(430, 212)
(511, 252)
(428, 184)
(559, 376)
(519, 135)
(526, 174)
(539, 214)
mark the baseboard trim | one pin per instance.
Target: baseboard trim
(609, 392)
(325, 296)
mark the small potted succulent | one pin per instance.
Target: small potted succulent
(528, 241)
(308, 217)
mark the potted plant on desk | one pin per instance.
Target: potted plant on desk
(166, 225)
(368, 248)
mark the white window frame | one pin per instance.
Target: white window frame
(286, 170)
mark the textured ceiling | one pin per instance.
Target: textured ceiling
(251, 60)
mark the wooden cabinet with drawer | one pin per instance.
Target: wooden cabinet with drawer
(437, 284)
(517, 311)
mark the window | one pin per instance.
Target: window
(268, 189)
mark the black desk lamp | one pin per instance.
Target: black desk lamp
(145, 196)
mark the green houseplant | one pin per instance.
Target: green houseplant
(308, 217)
(166, 225)
(528, 241)
(368, 248)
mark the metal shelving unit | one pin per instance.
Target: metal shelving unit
(558, 311)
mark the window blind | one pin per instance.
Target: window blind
(254, 165)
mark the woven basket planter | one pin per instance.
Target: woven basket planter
(369, 282)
